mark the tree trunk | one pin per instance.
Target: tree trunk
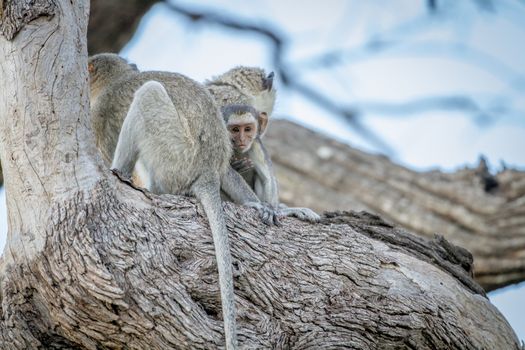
(93, 263)
(470, 207)
(112, 24)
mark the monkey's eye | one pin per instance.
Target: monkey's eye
(236, 129)
(248, 129)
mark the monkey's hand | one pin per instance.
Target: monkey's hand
(242, 164)
(305, 214)
(267, 214)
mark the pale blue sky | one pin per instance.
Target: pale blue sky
(421, 66)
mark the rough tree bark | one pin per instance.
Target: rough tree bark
(93, 263)
(112, 24)
(470, 207)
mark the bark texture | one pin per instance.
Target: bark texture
(112, 23)
(492, 227)
(15, 14)
(126, 269)
(482, 212)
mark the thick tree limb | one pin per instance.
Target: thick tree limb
(471, 207)
(123, 268)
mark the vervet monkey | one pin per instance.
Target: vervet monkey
(249, 86)
(246, 126)
(176, 132)
(246, 86)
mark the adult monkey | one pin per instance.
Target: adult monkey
(246, 126)
(244, 85)
(246, 96)
(175, 130)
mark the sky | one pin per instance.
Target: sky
(461, 51)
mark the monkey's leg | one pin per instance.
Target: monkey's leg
(126, 153)
(207, 189)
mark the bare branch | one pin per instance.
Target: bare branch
(279, 43)
(483, 212)
(464, 104)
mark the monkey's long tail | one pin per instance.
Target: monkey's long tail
(207, 190)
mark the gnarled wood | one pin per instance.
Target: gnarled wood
(122, 268)
(93, 263)
(499, 260)
(15, 14)
(482, 212)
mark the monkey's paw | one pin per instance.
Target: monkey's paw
(267, 214)
(305, 214)
(242, 165)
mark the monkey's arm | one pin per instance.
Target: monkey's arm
(265, 184)
(267, 189)
(238, 190)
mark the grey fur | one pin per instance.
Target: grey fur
(240, 88)
(151, 121)
(250, 86)
(238, 109)
(175, 131)
(112, 85)
(244, 86)
(261, 177)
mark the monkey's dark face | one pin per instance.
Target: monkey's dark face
(242, 135)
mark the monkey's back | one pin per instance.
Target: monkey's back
(211, 148)
(194, 104)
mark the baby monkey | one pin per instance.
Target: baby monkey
(252, 161)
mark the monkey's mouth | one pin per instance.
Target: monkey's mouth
(243, 148)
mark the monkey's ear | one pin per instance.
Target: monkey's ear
(91, 67)
(263, 123)
(268, 82)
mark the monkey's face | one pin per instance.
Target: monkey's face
(242, 135)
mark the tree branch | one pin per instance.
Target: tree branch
(472, 208)
(139, 271)
(46, 143)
